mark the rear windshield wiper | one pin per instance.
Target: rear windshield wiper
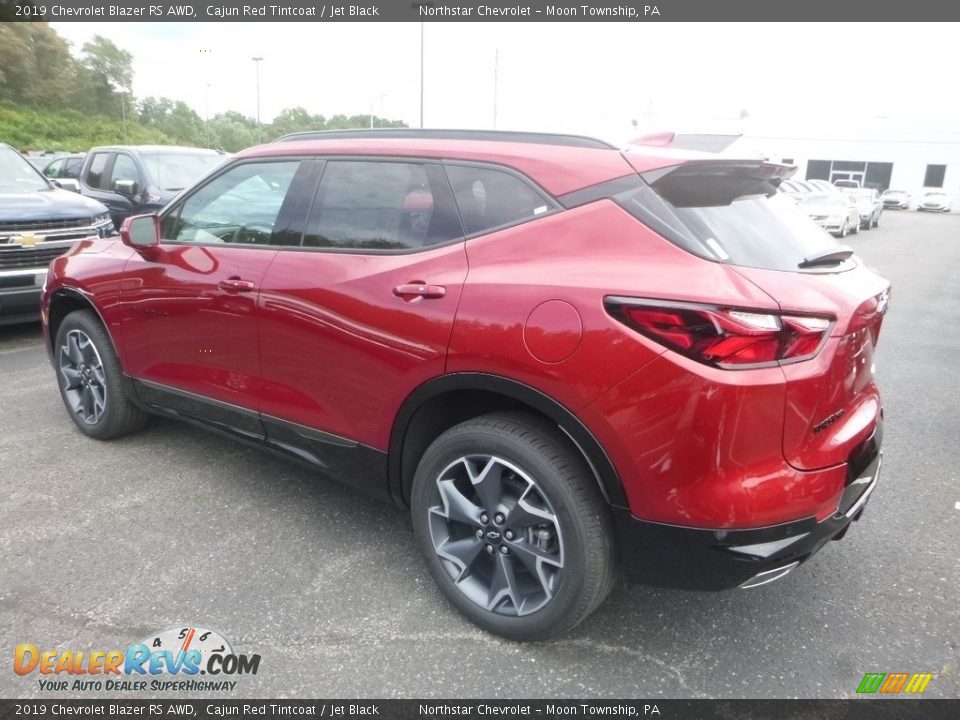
(828, 256)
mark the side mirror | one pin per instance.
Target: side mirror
(67, 184)
(126, 187)
(141, 232)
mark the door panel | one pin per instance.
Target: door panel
(181, 329)
(343, 341)
(189, 308)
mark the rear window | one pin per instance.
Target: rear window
(728, 214)
(490, 199)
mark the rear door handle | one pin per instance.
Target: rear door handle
(236, 285)
(412, 291)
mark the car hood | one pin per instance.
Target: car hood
(47, 205)
(832, 209)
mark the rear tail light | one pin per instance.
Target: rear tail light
(729, 338)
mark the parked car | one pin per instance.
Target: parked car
(869, 205)
(65, 170)
(553, 353)
(836, 213)
(38, 222)
(898, 199)
(933, 201)
(823, 186)
(132, 179)
(41, 159)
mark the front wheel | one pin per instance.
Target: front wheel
(512, 526)
(91, 381)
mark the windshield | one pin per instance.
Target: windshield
(893, 192)
(174, 171)
(17, 175)
(934, 195)
(757, 228)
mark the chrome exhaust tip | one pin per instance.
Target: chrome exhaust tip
(768, 576)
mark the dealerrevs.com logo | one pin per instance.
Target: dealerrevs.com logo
(169, 660)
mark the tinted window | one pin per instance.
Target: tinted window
(124, 168)
(95, 176)
(490, 198)
(728, 215)
(53, 169)
(375, 205)
(72, 168)
(239, 206)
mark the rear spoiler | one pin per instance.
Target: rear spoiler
(704, 183)
(702, 142)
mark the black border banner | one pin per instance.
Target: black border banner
(858, 11)
(853, 709)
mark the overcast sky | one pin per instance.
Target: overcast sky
(592, 78)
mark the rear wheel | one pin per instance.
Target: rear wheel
(512, 526)
(91, 381)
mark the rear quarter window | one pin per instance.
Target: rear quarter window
(489, 198)
(95, 175)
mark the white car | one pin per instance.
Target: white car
(823, 186)
(836, 213)
(899, 199)
(869, 205)
(934, 201)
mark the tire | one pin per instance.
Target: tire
(856, 228)
(91, 380)
(876, 222)
(561, 556)
(843, 230)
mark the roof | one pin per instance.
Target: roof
(559, 169)
(451, 134)
(156, 148)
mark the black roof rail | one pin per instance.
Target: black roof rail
(427, 134)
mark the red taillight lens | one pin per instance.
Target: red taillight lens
(724, 337)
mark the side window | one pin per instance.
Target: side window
(490, 198)
(379, 205)
(72, 168)
(53, 169)
(240, 206)
(98, 164)
(124, 168)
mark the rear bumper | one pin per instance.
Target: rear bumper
(701, 559)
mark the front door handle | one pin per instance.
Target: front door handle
(236, 285)
(412, 291)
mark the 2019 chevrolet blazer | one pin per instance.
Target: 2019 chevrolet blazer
(561, 357)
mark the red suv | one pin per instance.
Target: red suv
(556, 354)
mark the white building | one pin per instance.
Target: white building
(882, 152)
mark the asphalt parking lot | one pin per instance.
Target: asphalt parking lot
(102, 544)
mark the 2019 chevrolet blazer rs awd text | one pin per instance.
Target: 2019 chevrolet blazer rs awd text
(560, 356)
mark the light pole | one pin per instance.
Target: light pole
(421, 74)
(258, 60)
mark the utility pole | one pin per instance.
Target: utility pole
(496, 83)
(421, 74)
(258, 60)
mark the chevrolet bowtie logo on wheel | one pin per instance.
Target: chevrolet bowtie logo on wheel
(914, 683)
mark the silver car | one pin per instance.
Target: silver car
(837, 213)
(869, 205)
